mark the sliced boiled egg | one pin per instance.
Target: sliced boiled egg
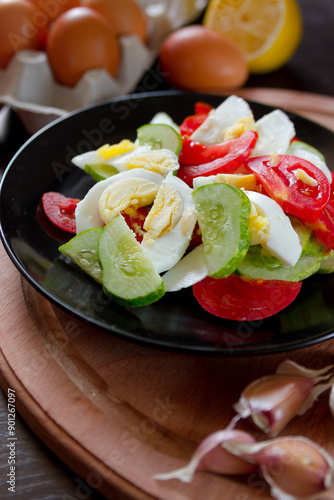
(228, 114)
(275, 131)
(161, 161)
(169, 224)
(189, 270)
(241, 181)
(238, 128)
(271, 228)
(163, 118)
(108, 154)
(125, 191)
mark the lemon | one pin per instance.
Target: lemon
(267, 31)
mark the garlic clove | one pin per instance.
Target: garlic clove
(212, 457)
(294, 467)
(272, 401)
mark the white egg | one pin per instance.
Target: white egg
(189, 270)
(87, 213)
(211, 131)
(169, 224)
(275, 131)
(279, 238)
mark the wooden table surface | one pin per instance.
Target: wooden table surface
(40, 474)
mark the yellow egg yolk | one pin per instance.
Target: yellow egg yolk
(258, 225)
(238, 128)
(165, 213)
(106, 151)
(126, 196)
(159, 161)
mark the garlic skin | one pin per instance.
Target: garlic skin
(289, 367)
(212, 457)
(331, 400)
(295, 467)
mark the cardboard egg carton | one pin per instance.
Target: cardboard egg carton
(28, 86)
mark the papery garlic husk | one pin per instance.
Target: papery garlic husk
(289, 367)
(331, 400)
(210, 456)
(294, 467)
(325, 375)
(272, 401)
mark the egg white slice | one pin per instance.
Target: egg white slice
(275, 132)
(189, 270)
(231, 110)
(161, 161)
(87, 214)
(163, 118)
(281, 240)
(169, 224)
(241, 181)
(93, 158)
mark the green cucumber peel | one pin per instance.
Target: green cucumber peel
(128, 276)
(100, 172)
(160, 136)
(223, 216)
(82, 250)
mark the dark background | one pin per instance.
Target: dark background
(40, 475)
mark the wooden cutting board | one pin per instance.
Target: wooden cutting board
(117, 412)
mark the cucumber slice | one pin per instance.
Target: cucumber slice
(300, 145)
(128, 276)
(256, 267)
(100, 172)
(327, 265)
(160, 136)
(82, 249)
(223, 217)
(304, 233)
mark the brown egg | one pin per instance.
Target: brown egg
(81, 40)
(53, 8)
(126, 17)
(21, 28)
(197, 58)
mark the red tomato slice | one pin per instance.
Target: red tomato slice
(136, 221)
(244, 299)
(228, 164)
(60, 210)
(191, 123)
(294, 195)
(323, 226)
(195, 153)
(202, 107)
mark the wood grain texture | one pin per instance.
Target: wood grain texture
(119, 412)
